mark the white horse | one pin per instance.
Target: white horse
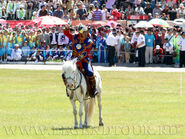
(76, 89)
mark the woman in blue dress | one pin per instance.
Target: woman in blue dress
(102, 48)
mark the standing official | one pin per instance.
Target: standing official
(181, 43)
(111, 44)
(141, 49)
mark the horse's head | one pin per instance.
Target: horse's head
(69, 69)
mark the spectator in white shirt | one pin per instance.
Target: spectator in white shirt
(180, 11)
(141, 48)
(62, 39)
(16, 54)
(168, 48)
(111, 44)
(104, 13)
(181, 43)
(42, 3)
(109, 4)
(140, 10)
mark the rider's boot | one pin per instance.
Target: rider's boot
(92, 82)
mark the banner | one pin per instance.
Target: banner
(13, 23)
(137, 17)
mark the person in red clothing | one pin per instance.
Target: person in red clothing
(81, 46)
(116, 15)
(158, 54)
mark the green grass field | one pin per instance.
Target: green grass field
(33, 104)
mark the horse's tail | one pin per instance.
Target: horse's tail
(90, 110)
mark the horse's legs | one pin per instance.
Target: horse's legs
(75, 114)
(80, 114)
(100, 108)
(86, 109)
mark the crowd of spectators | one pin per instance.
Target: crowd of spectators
(118, 45)
(33, 43)
(91, 9)
(113, 45)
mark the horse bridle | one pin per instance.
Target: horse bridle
(76, 86)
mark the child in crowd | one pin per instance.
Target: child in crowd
(168, 48)
(53, 53)
(127, 48)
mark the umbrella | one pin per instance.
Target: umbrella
(3, 22)
(143, 24)
(159, 22)
(98, 23)
(180, 22)
(48, 21)
(172, 23)
(112, 24)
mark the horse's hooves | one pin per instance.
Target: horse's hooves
(86, 126)
(75, 127)
(101, 124)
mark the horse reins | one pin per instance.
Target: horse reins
(79, 85)
(75, 87)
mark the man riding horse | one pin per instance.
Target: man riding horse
(81, 46)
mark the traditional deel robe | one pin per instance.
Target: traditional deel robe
(175, 44)
(101, 46)
(81, 49)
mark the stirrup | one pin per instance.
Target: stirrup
(95, 93)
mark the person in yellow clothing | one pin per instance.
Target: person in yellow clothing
(5, 47)
(10, 44)
(37, 37)
(19, 39)
(1, 48)
(31, 39)
(14, 39)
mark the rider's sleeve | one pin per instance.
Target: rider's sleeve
(68, 34)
